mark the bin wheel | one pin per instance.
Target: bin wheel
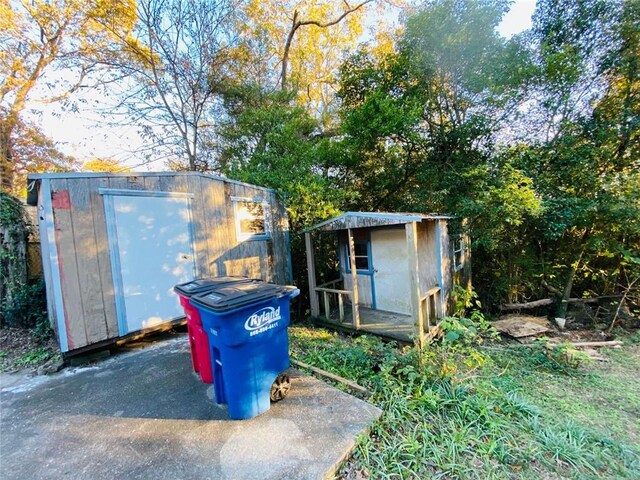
(280, 387)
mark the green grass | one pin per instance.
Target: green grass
(469, 413)
(604, 397)
(35, 357)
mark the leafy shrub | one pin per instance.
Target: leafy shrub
(453, 352)
(28, 308)
(561, 358)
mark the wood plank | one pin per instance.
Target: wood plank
(358, 222)
(332, 290)
(119, 182)
(280, 240)
(104, 259)
(71, 292)
(151, 183)
(352, 385)
(166, 183)
(414, 283)
(389, 325)
(86, 252)
(446, 266)
(354, 280)
(427, 255)
(49, 252)
(219, 238)
(311, 270)
(199, 229)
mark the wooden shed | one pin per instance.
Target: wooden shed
(114, 245)
(396, 272)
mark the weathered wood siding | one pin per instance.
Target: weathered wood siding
(446, 251)
(81, 241)
(392, 275)
(365, 298)
(462, 276)
(428, 256)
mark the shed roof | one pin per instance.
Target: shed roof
(373, 219)
(34, 179)
(40, 176)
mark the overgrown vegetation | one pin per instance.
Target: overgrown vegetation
(533, 138)
(13, 264)
(27, 308)
(459, 410)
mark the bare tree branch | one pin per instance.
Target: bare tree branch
(296, 24)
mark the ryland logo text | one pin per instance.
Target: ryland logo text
(262, 317)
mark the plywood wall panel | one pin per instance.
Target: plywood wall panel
(65, 243)
(428, 256)
(214, 222)
(200, 240)
(86, 253)
(104, 258)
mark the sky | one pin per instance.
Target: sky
(84, 135)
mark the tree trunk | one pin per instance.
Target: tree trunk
(6, 154)
(287, 47)
(563, 300)
(296, 24)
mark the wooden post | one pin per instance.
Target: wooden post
(428, 311)
(341, 307)
(354, 279)
(327, 306)
(411, 230)
(444, 288)
(311, 268)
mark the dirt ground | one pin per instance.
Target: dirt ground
(20, 349)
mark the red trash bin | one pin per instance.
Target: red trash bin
(198, 340)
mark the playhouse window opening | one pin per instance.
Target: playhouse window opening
(251, 219)
(361, 251)
(458, 253)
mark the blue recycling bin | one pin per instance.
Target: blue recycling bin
(249, 343)
(198, 340)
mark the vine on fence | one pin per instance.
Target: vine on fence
(14, 230)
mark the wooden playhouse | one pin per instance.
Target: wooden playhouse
(396, 272)
(114, 245)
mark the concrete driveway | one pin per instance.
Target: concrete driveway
(145, 414)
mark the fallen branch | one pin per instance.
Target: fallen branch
(524, 306)
(612, 343)
(622, 300)
(352, 385)
(550, 301)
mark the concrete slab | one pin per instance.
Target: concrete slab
(144, 414)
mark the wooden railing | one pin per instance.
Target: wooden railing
(326, 291)
(429, 302)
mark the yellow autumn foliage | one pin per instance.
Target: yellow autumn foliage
(315, 52)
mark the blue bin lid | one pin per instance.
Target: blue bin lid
(234, 296)
(203, 285)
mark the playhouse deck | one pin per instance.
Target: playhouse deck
(395, 326)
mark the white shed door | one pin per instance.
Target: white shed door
(154, 251)
(391, 274)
